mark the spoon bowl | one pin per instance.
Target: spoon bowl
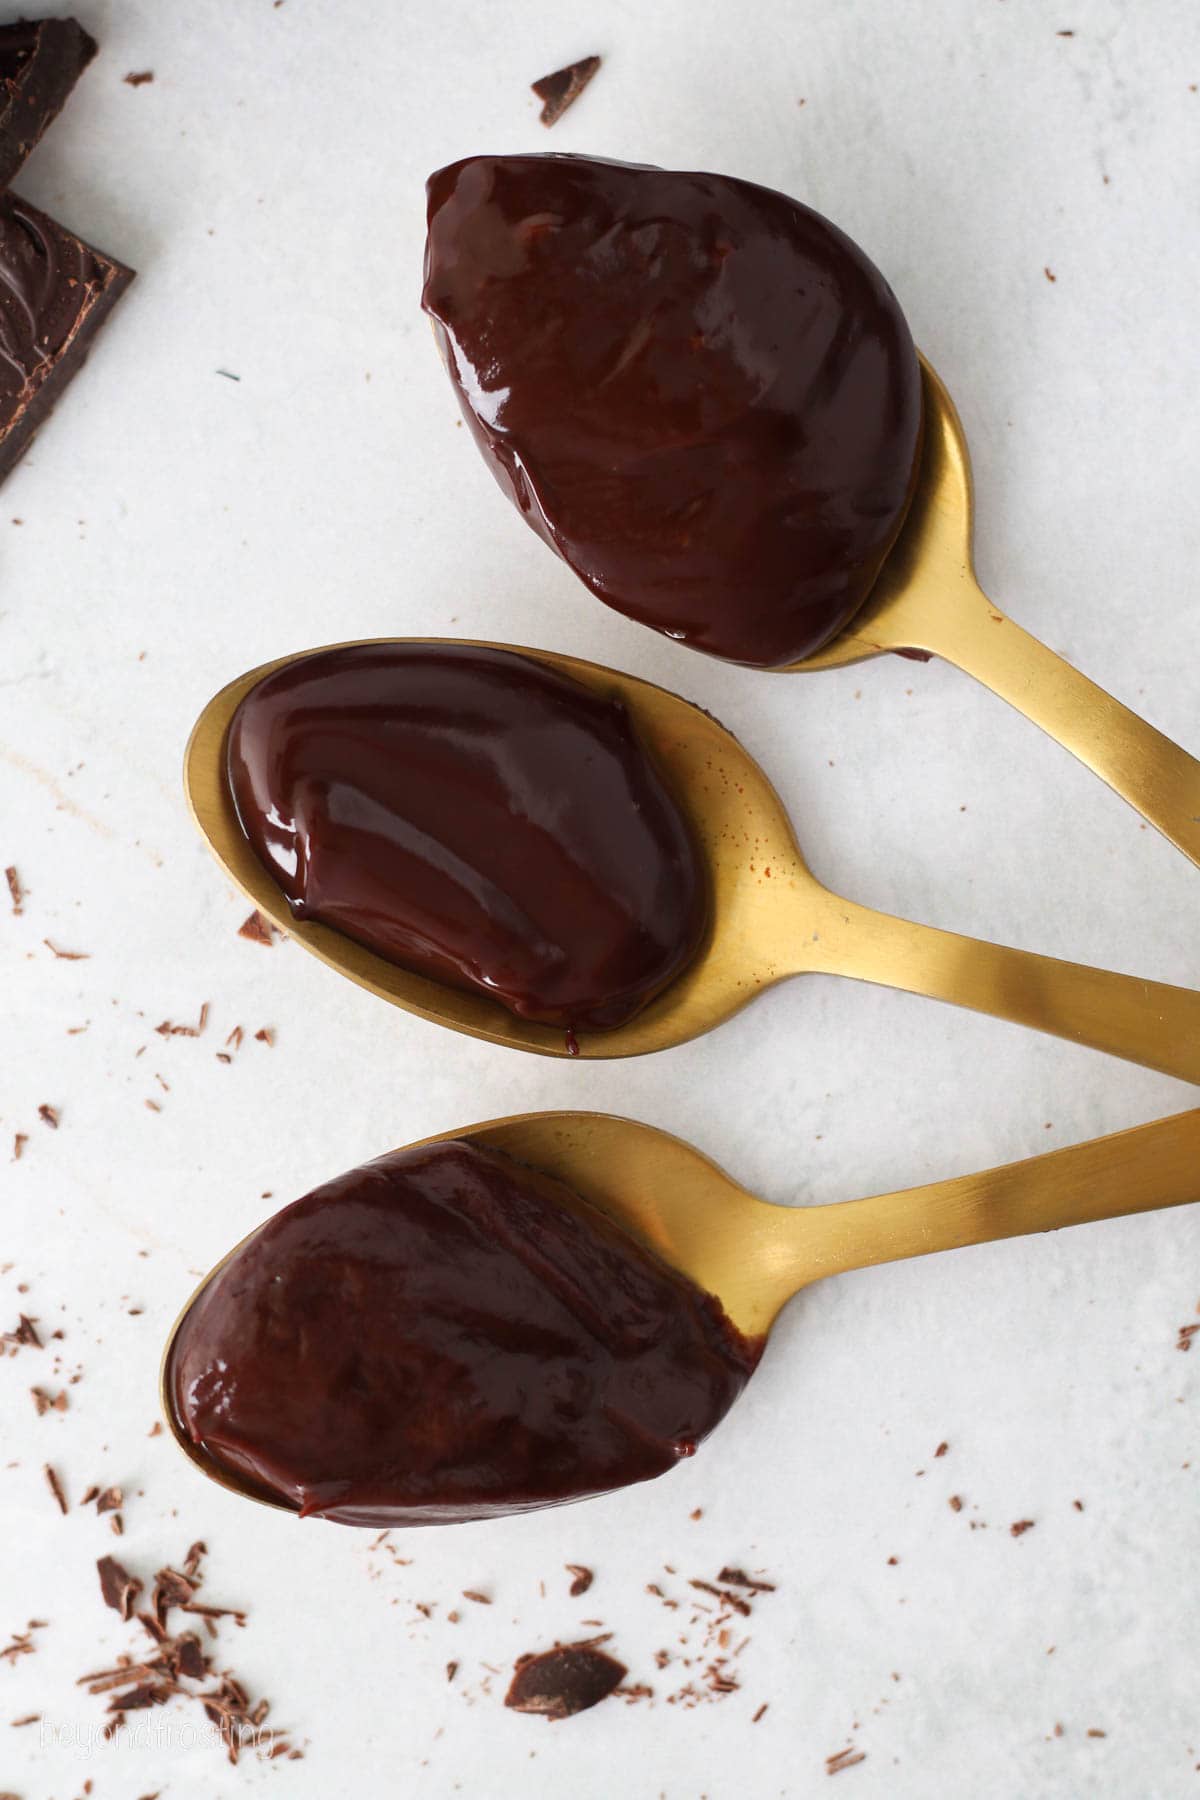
(926, 599)
(770, 916)
(754, 1256)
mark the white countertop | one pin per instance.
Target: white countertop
(177, 527)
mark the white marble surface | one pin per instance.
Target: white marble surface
(176, 527)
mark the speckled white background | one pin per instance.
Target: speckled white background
(177, 527)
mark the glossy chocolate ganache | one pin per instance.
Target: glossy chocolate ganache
(698, 391)
(475, 816)
(445, 1335)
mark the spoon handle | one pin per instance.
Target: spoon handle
(1158, 778)
(1145, 1022)
(1143, 1170)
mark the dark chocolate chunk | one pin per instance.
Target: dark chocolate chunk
(563, 1681)
(40, 62)
(558, 91)
(55, 293)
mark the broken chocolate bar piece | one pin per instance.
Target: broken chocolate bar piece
(558, 91)
(55, 293)
(40, 62)
(563, 1681)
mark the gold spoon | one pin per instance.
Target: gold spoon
(754, 1256)
(771, 917)
(927, 598)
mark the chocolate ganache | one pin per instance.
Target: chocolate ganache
(446, 1335)
(698, 391)
(475, 816)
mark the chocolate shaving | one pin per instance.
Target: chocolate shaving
(583, 1578)
(49, 1116)
(15, 889)
(25, 1334)
(955, 1503)
(451, 1670)
(479, 1599)
(845, 1759)
(563, 88)
(167, 1029)
(55, 1486)
(20, 1139)
(265, 1035)
(48, 1402)
(258, 928)
(561, 1682)
(178, 1659)
(67, 955)
(1021, 1527)
(109, 1500)
(758, 1715)
(138, 77)
(739, 1578)
(1186, 1334)
(119, 1588)
(941, 1449)
(723, 1594)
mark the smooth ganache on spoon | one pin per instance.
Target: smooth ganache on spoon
(477, 817)
(698, 391)
(444, 1335)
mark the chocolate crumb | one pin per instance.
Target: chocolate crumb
(1093, 1732)
(758, 1715)
(45, 1402)
(265, 1035)
(479, 1599)
(67, 955)
(258, 928)
(1022, 1526)
(563, 88)
(451, 1670)
(1050, 275)
(49, 1115)
(1186, 1334)
(561, 1682)
(583, 1578)
(55, 1486)
(109, 1500)
(697, 1514)
(16, 891)
(941, 1449)
(138, 77)
(1078, 1505)
(955, 1503)
(20, 1139)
